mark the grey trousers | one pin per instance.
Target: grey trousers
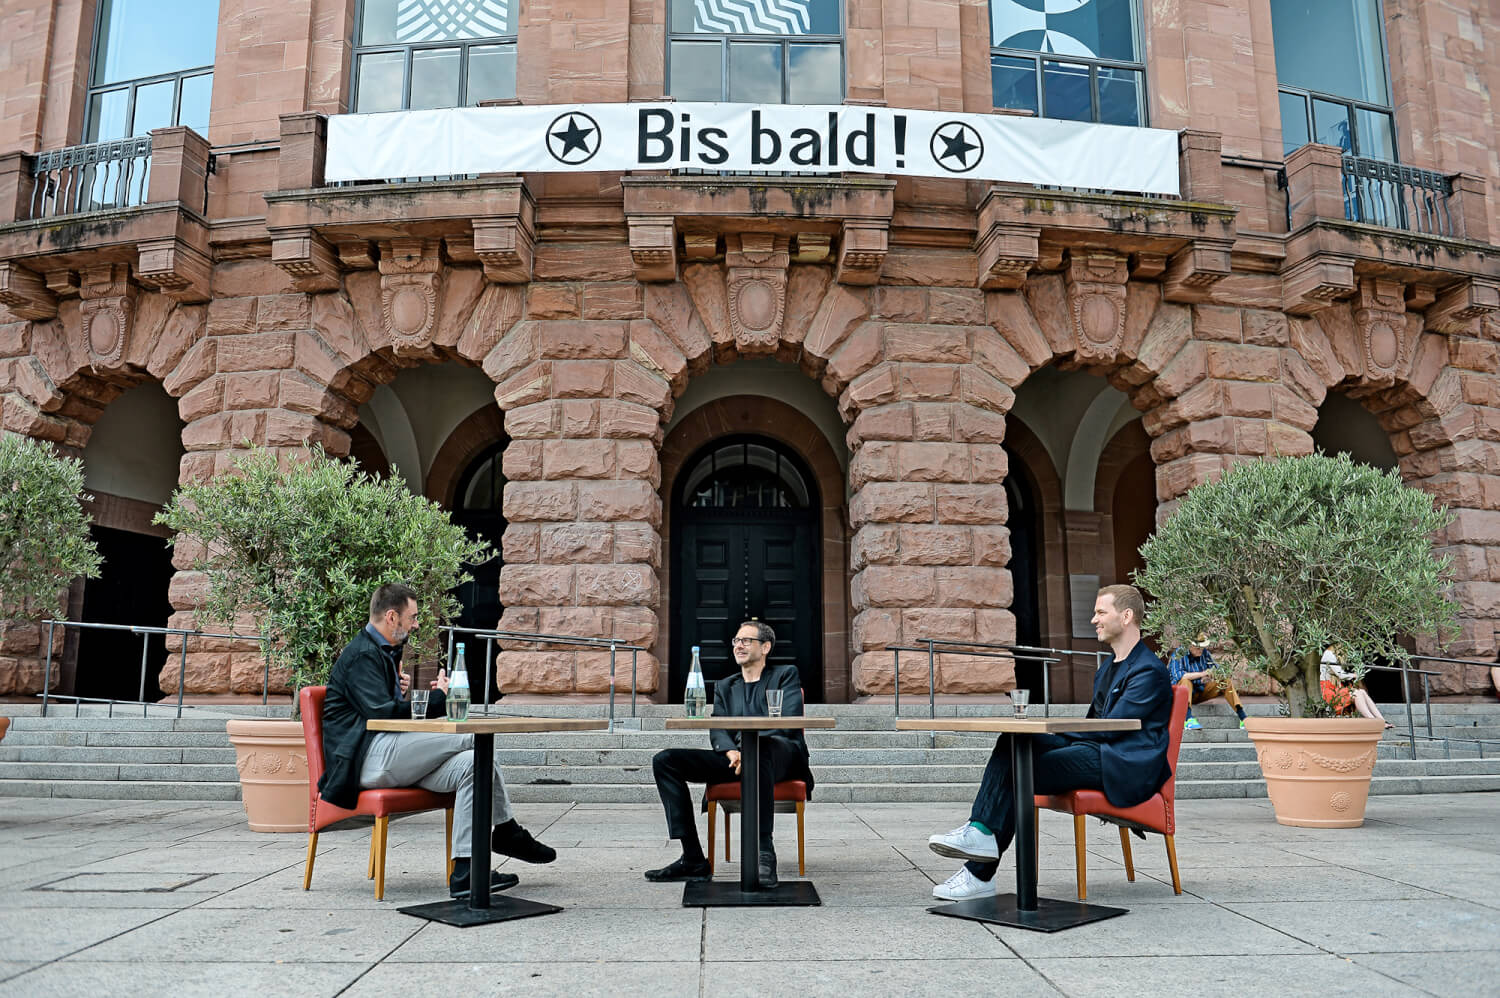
(433, 762)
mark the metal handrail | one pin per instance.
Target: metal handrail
(145, 631)
(491, 635)
(1397, 196)
(91, 177)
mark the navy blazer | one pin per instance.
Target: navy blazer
(361, 687)
(732, 698)
(1134, 762)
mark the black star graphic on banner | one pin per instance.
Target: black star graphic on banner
(957, 147)
(576, 141)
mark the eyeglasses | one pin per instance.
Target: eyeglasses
(746, 641)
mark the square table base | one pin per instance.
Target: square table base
(724, 894)
(1050, 915)
(458, 913)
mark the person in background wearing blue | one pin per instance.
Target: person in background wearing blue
(1194, 667)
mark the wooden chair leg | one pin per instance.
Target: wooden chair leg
(370, 871)
(713, 843)
(801, 842)
(1129, 859)
(1172, 861)
(312, 854)
(448, 841)
(381, 826)
(1080, 842)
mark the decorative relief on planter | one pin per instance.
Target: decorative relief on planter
(108, 305)
(1363, 762)
(1340, 802)
(1096, 300)
(1381, 320)
(410, 275)
(271, 764)
(757, 266)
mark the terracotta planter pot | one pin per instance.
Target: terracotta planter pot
(271, 756)
(4, 727)
(1317, 769)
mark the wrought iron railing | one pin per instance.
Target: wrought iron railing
(1396, 196)
(90, 177)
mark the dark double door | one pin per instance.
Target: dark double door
(732, 566)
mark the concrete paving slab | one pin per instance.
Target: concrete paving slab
(1008, 978)
(215, 935)
(46, 934)
(649, 935)
(1203, 930)
(1461, 972)
(183, 980)
(1481, 887)
(615, 980)
(845, 933)
(11, 968)
(1218, 977)
(1254, 882)
(1399, 926)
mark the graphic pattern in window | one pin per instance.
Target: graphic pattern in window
(1073, 59)
(756, 51)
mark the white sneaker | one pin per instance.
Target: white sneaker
(962, 886)
(965, 842)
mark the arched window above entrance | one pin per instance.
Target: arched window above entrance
(743, 474)
(483, 486)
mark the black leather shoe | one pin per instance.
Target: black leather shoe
(458, 883)
(767, 867)
(510, 839)
(682, 869)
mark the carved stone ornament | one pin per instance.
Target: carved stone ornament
(863, 245)
(1380, 318)
(757, 289)
(653, 247)
(25, 293)
(410, 276)
(108, 304)
(1096, 301)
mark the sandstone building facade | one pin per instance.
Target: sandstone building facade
(871, 410)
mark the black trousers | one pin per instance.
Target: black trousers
(1058, 764)
(675, 768)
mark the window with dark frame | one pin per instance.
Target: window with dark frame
(152, 66)
(1078, 60)
(756, 51)
(420, 54)
(1332, 76)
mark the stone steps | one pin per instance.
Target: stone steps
(865, 760)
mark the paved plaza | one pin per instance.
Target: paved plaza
(103, 898)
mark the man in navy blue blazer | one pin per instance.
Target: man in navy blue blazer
(1129, 766)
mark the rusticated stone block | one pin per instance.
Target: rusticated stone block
(521, 542)
(977, 426)
(578, 459)
(522, 460)
(620, 300)
(876, 628)
(971, 504)
(262, 352)
(20, 637)
(620, 420)
(638, 459)
(655, 351)
(536, 585)
(187, 590)
(590, 340)
(620, 500)
(932, 462)
(891, 502)
(536, 421)
(875, 387)
(874, 673)
(552, 301)
(989, 462)
(617, 585)
(974, 674)
(873, 462)
(995, 626)
(940, 623)
(634, 383)
(892, 586)
(926, 344)
(579, 418)
(591, 671)
(927, 544)
(581, 378)
(534, 672)
(887, 422)
(576, 543)
(637, 542)
(977, 587)
(930, 382)
(932, 421)
(875, 544)
(531, 384)
(555, 501)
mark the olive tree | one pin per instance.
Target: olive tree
(300, 543)
(44, 532)
(1279, 559)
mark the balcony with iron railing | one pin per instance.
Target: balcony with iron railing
(1350, 217)
(138, 202)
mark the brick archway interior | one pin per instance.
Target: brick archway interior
(779, 421)
(482, 428)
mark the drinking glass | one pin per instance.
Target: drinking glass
(1018, 701)
(773, 702)
(419, 704)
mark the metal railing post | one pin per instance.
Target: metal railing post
(47, 670)
(181, 678)
(489, 666)
(1047, 687)
(611, 687)
(931, 692)
(1411, 724)
(1427, 702)
(898, 684)
(634, 654)
(144, 649)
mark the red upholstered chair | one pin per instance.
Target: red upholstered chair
(380, 804)
(1154, 815)
(793, 791)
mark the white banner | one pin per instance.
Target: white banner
(791, 138)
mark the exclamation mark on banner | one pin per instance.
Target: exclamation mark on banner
(900, 141)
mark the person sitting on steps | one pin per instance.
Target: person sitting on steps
(1194, 667)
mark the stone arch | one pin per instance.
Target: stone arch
(1027, 448)
(1119, 468)
(779, 421)
(467, 441)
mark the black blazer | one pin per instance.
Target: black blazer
(361, 688)
(1134, 762)
(732, 698)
